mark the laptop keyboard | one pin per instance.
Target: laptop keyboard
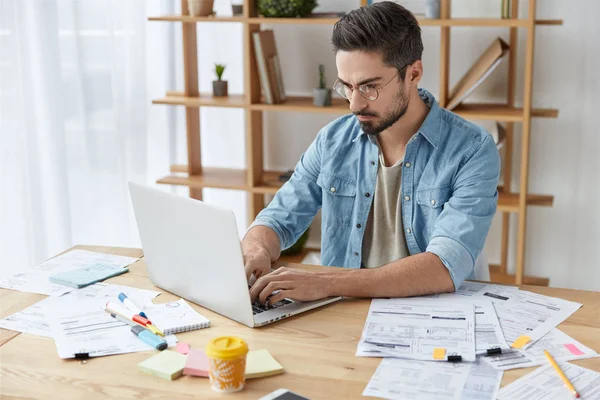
(258, 308)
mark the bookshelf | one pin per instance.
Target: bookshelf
(258, 182)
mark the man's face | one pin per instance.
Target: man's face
(357, 68)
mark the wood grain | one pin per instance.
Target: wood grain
(316, 349)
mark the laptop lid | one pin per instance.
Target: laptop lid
(193, 250)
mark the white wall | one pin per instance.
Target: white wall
(562, 241)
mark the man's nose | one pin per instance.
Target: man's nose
(357, 102)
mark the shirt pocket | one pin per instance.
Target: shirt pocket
(339, 193)
(431, 202)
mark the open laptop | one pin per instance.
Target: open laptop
(193, 250)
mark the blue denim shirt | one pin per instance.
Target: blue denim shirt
(448, 192)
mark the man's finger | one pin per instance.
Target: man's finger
(280, 296)
(259, 285)
(271, 287)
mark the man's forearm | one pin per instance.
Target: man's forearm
(262, 239)
(417, 275)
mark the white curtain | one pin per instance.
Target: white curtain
(77, 123)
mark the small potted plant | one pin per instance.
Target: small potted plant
(219, 86)
(200, 8)
(322, 94)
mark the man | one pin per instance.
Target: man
(407, 189)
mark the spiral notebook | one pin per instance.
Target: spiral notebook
(177, 316)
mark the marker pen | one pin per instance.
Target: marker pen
(149, 338)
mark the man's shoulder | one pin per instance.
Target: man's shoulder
(458, 132)
(340, 131)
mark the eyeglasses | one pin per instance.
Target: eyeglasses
(368, 91)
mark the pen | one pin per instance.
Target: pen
(114, 308)
(131, 305)
(149, 338)
(561, 374)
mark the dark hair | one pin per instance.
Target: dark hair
(385, 27)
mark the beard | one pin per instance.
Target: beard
(378, 125)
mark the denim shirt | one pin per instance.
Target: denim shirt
(448, 192)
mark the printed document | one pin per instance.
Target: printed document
(562, 347)
(35, 280)
(530, 314)
(419, 329)
(545, 384)
(33, 319)
(396, 378)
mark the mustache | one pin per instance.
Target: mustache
(364, 113)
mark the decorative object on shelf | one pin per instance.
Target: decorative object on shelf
(298, 246)
(219, 86)
(237, 7)
(505, 11)
(432, 9)
(322, 94)
(200, 8)
(286, 8)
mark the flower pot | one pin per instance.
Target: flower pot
(432, 9)
(321, 97)
(219, 88)
(200, 8)
(237, 9)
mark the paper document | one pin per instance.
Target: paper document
(480, 289)
(33, 319)
(35, 280)
(545, 384)
(562, 347)
(409, 379)
(526, 317)
(419, 329)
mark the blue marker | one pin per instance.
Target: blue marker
(131, 306)
(149, 338)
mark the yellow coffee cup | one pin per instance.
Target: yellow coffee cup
(227, 363)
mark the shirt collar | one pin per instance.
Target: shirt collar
(431, 127)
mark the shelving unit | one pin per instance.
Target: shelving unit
(257, 182)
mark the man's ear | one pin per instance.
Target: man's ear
(414, 72)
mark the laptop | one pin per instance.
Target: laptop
(193, 250)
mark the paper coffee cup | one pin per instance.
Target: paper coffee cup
(227, 363)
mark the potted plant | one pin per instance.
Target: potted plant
(219, 86)
(285, 8)
(322, 94)
(200, 8)
(237, 7)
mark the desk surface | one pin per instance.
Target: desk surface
(316, 349)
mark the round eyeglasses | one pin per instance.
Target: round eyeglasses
(368, 91)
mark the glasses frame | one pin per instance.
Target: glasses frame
(344, 86)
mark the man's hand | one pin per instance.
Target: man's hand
(257, 263)
(293, 284)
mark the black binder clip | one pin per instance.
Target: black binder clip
(495, 350)
(454, 358)
(82, 356)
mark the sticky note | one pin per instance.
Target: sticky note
(573, 349)
(260, 363)
(439, 353)
(167, 365)
(520, 342)
(196, 364)
(183, 348)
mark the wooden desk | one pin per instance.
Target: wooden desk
(316, 349)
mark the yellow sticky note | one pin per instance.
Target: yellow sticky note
(439, 353)
(520, 342)
(260, 363)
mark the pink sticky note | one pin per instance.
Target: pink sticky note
(183, 348)
(573, 349)
(196, 364)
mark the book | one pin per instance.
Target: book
(175, 317)
(269, 66)
(260, 363)
(79, 278)
(479, 71)
(167, 365)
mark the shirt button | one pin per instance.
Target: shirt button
(433, 202)
(372, 162)
(367, 194)
(407, 198)
(408, 231)
(358, 226)
(332, 189)
(356, 254)
(407, 165)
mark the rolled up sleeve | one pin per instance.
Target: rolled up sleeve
(462, 227)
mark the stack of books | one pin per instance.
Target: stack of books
(269, 67)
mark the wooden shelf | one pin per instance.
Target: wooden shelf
(473, 111)
(225, 178)
(474, 22)
(497, 276)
